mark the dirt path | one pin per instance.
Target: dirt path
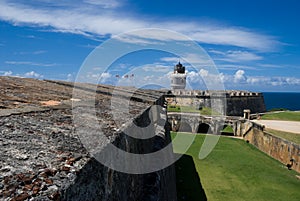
(288, 126)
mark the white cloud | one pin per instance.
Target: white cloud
(236, 56)
(234, 67)
(239, 76)
(33, 74)
(7, 73)
(194, 77)
(29, 63)
(236, 37)
(241, 80)
(98, 21)
(104, 3)
(70, 77)
(170, 59)
(157, 67)
(191, 58)
(242, 56)
(203, 76)
(105, 76)
(34, 53)
(273, 81)
(92, 77)
(147, 75)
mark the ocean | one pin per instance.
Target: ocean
(287, 100)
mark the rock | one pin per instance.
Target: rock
(28, 187)
(52, 189)
(55, 196)
(48, 181)
(5, 169)
(65, 168)
(35, 190)
(21, 197)
(50, 172)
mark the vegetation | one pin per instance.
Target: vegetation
(277, 109)
(203, 111)
(293, 137)
(286, 115)
(227, 129)
(234, 170)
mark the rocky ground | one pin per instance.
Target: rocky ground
(40, 155)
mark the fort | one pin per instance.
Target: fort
(233, 102)
(43, 159)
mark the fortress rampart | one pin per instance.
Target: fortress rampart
(234, 101)
(42, 158)
(276, 147)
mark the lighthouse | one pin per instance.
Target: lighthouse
(178, 77)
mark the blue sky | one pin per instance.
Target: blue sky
(254, 44)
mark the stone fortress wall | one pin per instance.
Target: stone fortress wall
(99, 182)
(39, 148)
(235, 101)
(42, 158)
(276, 147)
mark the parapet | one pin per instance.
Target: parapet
(228, 93)
(43, 159)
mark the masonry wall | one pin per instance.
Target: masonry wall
(276, 147)
(97, 182)
(235, 105)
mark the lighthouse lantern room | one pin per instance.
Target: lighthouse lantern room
(178, 77)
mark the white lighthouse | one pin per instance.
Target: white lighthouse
(178, 78)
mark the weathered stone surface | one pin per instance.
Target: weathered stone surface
(41, 158)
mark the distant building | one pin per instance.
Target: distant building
(178, 78)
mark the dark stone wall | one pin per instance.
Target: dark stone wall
(236, 104)
(100, 183)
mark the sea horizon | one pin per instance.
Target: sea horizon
(285, 100)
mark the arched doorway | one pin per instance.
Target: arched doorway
(185, 127)
(204, 128)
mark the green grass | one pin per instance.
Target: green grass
(234, 171)
(293, 137)
(287, 115)
(203, 111)
(228, 129)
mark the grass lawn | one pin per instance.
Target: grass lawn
(287, 115)
(228, 129)
(293, 137)
(203, 111)
(233, 171)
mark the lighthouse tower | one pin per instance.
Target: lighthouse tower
(178, 78)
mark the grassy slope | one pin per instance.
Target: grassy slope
(238, 171)
(228, 129)
(288, 116)
(293, 137)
